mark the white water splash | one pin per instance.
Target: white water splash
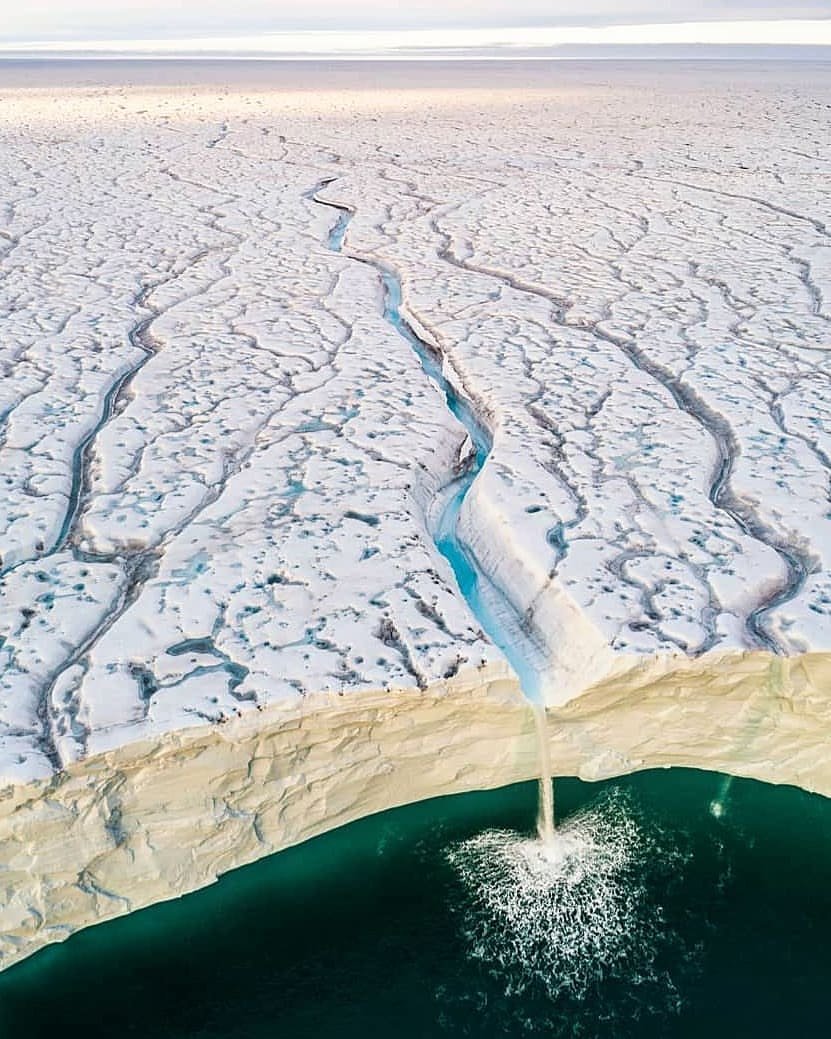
(718, 806)
(566, 916)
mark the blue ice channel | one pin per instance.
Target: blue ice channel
(488, 604)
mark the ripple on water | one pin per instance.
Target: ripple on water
(578, 920)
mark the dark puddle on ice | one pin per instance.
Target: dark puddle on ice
(655, 917)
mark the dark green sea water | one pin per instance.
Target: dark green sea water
(668, 921)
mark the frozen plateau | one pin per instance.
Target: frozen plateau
(235, 469)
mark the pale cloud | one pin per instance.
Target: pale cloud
(84, 20)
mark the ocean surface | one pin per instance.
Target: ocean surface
(684, 904)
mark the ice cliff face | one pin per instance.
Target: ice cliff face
(225, 622)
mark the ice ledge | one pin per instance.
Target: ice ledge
(155, 819)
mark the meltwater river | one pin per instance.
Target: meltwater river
(490, 607)
(488, 604)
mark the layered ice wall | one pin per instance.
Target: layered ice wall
(226, 625)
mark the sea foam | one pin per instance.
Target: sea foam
(575, 916)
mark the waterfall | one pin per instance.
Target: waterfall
(546, 819)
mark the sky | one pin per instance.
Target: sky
(277, 24)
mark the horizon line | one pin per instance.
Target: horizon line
(787, 54)
(355, 43)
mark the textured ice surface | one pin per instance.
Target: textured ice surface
(219, 462)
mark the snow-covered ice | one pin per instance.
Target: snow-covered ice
(221, 465)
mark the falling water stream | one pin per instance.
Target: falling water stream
(545, 819)
(486, 600)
